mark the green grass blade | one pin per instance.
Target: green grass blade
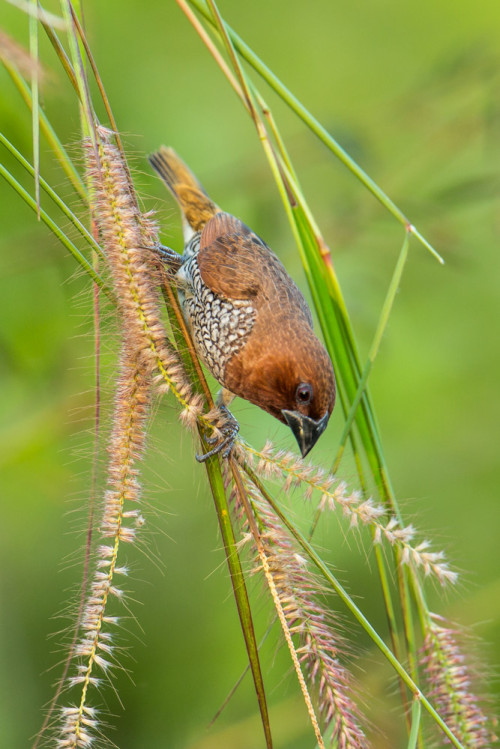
(379, 332)
(49, 133)
(88, 118)
(416, 714)
(239, 587)
(314, 125)
(340, 342)
(35, 109)
(61, 53)
(336, 346)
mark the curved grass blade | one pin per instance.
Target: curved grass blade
(35, 109)
(88, 118)
(416, 714)
(49, 132)
(60, 52)
(314, 125)
(239, 588)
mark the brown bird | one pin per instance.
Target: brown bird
(250, 324)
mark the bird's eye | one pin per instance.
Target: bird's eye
(304, 393)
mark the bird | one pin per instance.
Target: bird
(250, 323)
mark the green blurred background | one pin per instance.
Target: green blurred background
(411, 90)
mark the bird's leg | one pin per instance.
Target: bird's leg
(166, 254)
(229, 430)
(169, 257)
(223, 399)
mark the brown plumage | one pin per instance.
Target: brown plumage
(250, 323)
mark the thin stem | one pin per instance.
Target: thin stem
(416, 714)
(102, 91)
(211, 47)
(239, 588)
(220, 23)
(88, 117)
(35, 117)
(60, 52)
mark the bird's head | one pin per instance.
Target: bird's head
(310, 401)
(306, 429)
(298, 388)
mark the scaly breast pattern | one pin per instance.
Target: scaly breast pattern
(219, 326)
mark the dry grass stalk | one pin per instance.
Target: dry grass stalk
(121, 518)
(319, 645)
(125, 232)
(243, 498)
(145, 355)
(451, 682)
(294, 472)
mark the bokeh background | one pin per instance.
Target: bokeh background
(411, 91)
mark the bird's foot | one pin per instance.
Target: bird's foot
(169, 257)
(223, 444)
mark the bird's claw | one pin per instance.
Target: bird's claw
(224, 447)
(170, 258)
(211, 440)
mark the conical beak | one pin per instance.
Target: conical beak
(306, 430)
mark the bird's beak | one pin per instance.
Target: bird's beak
(306, 430)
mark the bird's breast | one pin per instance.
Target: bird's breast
(219, 326)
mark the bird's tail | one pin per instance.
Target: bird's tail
(195, 204)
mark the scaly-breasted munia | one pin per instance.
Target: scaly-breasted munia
(250, 324)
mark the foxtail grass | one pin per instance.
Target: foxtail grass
(157, 358)
(453, 678)
(121, 518)
(296, 592)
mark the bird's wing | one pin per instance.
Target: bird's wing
(228, 257)
(235, 263)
